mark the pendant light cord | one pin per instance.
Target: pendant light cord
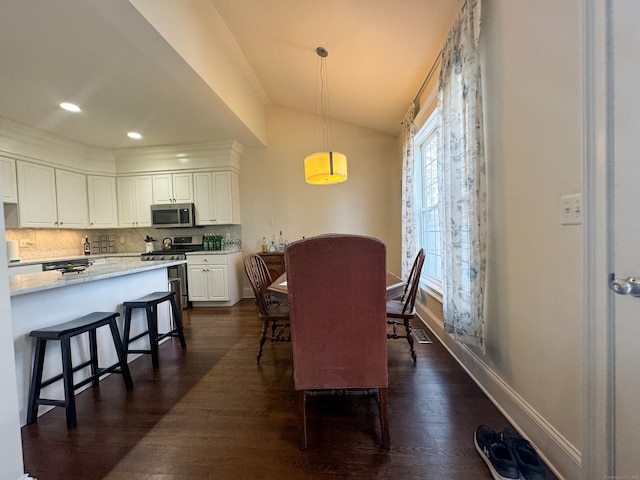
(322, 97)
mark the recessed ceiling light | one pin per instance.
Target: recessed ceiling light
(70, 107)
(134, 135)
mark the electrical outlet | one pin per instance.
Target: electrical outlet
(270, 222)
(571, 206)
(121, 239)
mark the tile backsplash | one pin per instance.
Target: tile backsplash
(50, 243)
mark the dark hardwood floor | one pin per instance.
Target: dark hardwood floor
(209, 412)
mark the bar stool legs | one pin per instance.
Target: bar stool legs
(63, 333)
(150, 304)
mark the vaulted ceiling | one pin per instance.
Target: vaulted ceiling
(107, 57)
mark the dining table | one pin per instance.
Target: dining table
(395, 286)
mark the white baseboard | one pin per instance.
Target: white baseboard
(562, 457)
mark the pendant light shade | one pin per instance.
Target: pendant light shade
(324, 168)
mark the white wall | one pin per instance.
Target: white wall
(532, 72)
(11, 467)
(212, 52)
(272, 185)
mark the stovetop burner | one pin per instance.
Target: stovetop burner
(168, 251)
(179, 247)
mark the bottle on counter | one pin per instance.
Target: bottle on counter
(265, 247)
(86, 246)
(273, 247)
(281, 243)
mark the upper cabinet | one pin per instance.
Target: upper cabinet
(49, 197)
(36, 195)
(103, 203)
(173, 188)
(216, 198)
(134, 201)
(71, 196)
(9, 183)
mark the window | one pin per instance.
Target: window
(428, 202)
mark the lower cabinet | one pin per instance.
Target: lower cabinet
(214, 279)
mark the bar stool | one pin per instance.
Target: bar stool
(64, 332)
(150, 304)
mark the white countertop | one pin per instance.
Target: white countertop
(35, 282)
(36, 261)
(213, 252)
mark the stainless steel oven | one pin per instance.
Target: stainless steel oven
(179, 248)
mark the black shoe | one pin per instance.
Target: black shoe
(495, 454)
(529, 463)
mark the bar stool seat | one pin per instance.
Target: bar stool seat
(150, 303)
(64, 332)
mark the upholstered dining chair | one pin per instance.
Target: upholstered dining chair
(273, 314)
(337, 296)
(402, 310)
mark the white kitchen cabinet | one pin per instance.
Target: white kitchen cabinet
(36, 195)
(71, 199)
(134, 199)
(49, 197)
(216, 198)
(214, 278)
(207, 277)
(173, 188)
(103, 203)
(9, 182)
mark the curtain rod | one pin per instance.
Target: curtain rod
(429, 75)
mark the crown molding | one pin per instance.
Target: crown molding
(206, 156)
(23, 142)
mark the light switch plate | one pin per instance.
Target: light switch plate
(571, 206)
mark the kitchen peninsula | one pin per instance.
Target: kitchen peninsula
(48, 298)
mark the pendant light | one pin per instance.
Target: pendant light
(327, 167)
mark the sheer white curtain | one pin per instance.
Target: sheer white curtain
(463, 182)
(408, 193)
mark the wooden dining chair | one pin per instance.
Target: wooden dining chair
(402, 310)
(274, 315)
(337, 296)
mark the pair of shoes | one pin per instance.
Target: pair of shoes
(529, 463)
(496, 454)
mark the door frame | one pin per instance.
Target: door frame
(598, 341)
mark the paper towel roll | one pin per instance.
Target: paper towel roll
(13, 251)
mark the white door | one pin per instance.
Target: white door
(103, 204)
(222, 198)
(37, 195)
(144, 199)
(202, 195)
(71, 194)
(198, 283)
(162, 189)
(218, 286)
(183, 187)
(126, 202)
(626, 223)
(9, 182)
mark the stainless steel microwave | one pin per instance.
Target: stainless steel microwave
(173, 215)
